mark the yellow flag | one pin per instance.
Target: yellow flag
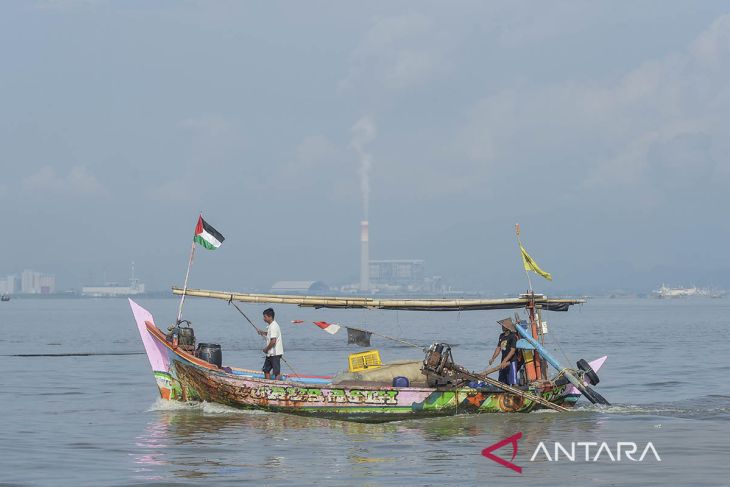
(531, 265)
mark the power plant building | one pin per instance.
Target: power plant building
(393, 275)
(401, 272)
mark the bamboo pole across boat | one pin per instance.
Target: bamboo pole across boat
(515, 391)
(373, 303)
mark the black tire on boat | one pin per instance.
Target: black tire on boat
(590, 374)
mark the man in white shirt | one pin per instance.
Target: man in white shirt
(274, 348)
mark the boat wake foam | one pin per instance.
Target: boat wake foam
(546, 411)
(656, 409)
(202, 407)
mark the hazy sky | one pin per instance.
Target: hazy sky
(604, 129)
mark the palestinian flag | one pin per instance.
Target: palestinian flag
(330, 328)
(207, 236)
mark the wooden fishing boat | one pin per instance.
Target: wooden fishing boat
(447, 390)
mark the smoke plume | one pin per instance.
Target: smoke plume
(364, 132)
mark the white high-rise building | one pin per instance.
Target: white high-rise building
(12, 283)
(32, 282)
(47, 284)
(7, 285)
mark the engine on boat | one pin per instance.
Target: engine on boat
(182, 335)
(438, 366)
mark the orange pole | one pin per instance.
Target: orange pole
(530, 365)
(533, 326)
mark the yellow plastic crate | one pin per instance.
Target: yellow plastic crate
(364, 360)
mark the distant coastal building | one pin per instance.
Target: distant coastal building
(400, 272)
(32, 282)
(401, 276)
(8, 285)
(392, 276)
(48, 284)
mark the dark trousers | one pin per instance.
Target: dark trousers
(272, 362)
(508, 375)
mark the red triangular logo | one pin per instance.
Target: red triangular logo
(487, 452)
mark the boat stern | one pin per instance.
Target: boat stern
(572, 394)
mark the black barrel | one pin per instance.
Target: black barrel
(210, 352)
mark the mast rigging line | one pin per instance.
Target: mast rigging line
(410, 344)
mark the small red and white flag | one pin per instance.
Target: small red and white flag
(330, 328)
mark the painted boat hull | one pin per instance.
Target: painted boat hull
(181, 376)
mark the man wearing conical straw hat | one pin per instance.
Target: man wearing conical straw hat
(507, 344)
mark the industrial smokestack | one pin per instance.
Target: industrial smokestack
(364, 257)
(364, 132)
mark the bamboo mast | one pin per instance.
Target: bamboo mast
(185, 287)
(519, 242)
(536, 366)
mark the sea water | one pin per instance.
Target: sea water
(97, 419)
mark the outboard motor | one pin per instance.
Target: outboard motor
(438, 365)
(182, 335)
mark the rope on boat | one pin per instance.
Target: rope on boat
(257, 331)
(554, 338)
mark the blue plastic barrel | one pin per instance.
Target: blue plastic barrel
(401, 381)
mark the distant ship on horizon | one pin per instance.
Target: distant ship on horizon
(113, 290)
(679, 292)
